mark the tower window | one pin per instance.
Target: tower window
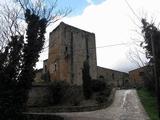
(45, 68)
(55, 66)
(113, 76)
(66, 49)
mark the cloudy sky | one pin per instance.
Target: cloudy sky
(115, 25)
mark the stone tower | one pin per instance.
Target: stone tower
(69, 47)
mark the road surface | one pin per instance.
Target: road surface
(126, 106)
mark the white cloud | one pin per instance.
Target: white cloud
(90, 1)
(113, 22)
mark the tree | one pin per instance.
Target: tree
(87, 91)
(18, 56)
(136, 56)
(151, 44)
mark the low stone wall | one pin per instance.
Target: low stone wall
(38, 95)
(73, 108)
(42, 117)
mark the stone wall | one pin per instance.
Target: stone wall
(137, 76)
(115, 78)
(39, 94)
(38, 77)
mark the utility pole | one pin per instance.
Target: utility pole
(155, 45)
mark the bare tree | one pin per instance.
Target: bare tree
(136, 56)
(11, 24)
(13, 20)
(45, 9)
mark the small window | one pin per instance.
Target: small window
(141, 73)
(55, 67)
(66, 49)
(113, 76)
(45, 68)
(101, 77)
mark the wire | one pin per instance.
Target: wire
(112, 45)
(79, 51)
(132, 10)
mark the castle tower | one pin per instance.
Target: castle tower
(69, 47)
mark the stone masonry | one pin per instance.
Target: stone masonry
(112, 77)
(69, 47)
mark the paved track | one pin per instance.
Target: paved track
(126, 106)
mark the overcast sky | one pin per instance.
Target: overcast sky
(114, 25)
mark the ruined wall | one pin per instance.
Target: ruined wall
(137, 76)
(69, 48)
(116, 78)
(54, 54)
(38, 76)
(38, 95)
(45, 66)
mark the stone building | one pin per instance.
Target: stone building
(69, 47)
(136, 76)
(39, 74)
(113, 77)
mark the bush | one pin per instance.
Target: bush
(73, 95)
(98, 85)
(42, 117)
(103, 94)
(87, 91)
(101, 97)
(57, 91)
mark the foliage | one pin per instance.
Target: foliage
(43, 117)
(87, 91)
(73, 95)
(98, 85)
(18, 56)
(151, 34)
(10, 99)
(17, 66)
(152, 42)
(148, 31)
(63, 93)
(149, 103)
(58, 89)
(149, 81)
(102, 96)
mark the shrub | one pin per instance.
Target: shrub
(87, 92)
(42, 117)
(98, 85)
(73, 95)
(57, 91)
(102, 96)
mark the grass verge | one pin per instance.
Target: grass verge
(149, 103)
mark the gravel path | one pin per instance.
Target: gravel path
(126, 106)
